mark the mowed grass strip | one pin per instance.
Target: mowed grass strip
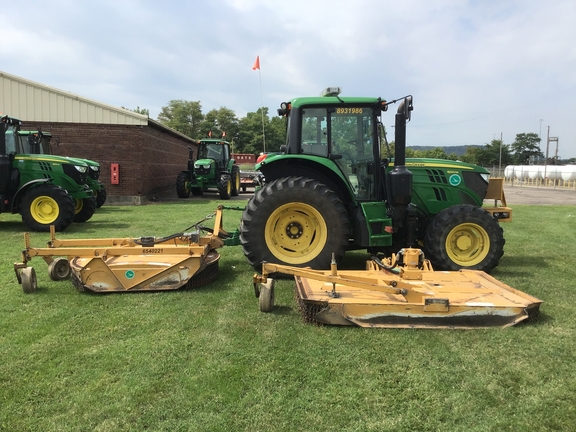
(207, 359)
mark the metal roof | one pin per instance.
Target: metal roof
(31, 101)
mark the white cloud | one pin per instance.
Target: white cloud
(476, 69)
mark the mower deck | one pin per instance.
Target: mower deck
(410, 298)
(129, 264)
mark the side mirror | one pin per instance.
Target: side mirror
(406, 107)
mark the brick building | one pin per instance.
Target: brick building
(149, 155)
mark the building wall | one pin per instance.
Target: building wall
(149, 158)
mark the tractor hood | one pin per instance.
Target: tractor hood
(63, 160)
(203, 162)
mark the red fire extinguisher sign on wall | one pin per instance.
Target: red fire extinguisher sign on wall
(114, 174)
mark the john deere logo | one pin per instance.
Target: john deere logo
(455, 180)
(129, 274)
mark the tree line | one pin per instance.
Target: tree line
(247, 134)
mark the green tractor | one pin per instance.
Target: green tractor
(214, 168)
(45, 190)
(330, 190)
(39, 142)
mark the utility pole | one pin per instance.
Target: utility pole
(546, 159)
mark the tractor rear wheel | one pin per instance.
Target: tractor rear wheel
(295, 221)
(464, 237)
(85, 209)
(235, 180)
(183, 185)
(46, 205)
(225, 187)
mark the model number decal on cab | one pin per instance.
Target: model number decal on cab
(152, 251)
(349, 110)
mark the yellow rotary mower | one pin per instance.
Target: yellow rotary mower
(400, 292)
(130, 264)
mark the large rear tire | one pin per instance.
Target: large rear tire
(294, 221)
(46, 205)
(464, 237)
(85, 209)
(183, 185)
(235, 180)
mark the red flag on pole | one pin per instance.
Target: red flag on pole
(256, 63)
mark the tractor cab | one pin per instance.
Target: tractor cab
(218, 151)
(342, 131)
(8, 132)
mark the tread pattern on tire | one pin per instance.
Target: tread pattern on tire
(448, 219)
(65, 203)
(235, 180)
(181, 190)
(294, 189)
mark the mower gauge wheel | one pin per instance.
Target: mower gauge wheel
(59, 269)
(29, 282)
(266, 298)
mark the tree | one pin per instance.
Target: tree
(250, 138)
(489, 155)
(143, 111)
(526, 147)
(221, 122)
(183, 116)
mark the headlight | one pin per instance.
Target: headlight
(485, 177)
(81, 169)
(95, 168)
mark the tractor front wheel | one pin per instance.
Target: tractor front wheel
(225, 187)
(101, 196)
(183, 185)
(294, 221)
(235, 180)
(464, 237)
(46, 205)
(85, 209)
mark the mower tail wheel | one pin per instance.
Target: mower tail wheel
(28, 278)
(266, 297)
(59, 269)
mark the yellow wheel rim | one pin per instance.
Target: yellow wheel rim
(295, 233)
(228, 187)
(237, 180)
(467, 244)
(79, 204)
(44, 210)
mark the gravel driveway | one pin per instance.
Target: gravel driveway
(539, 195)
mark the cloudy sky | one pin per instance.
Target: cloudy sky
(477, 69)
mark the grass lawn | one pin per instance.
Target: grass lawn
(208, 360)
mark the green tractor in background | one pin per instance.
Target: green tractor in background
(331, 190)
(40, 142)
(214, 168)
(45, 190)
